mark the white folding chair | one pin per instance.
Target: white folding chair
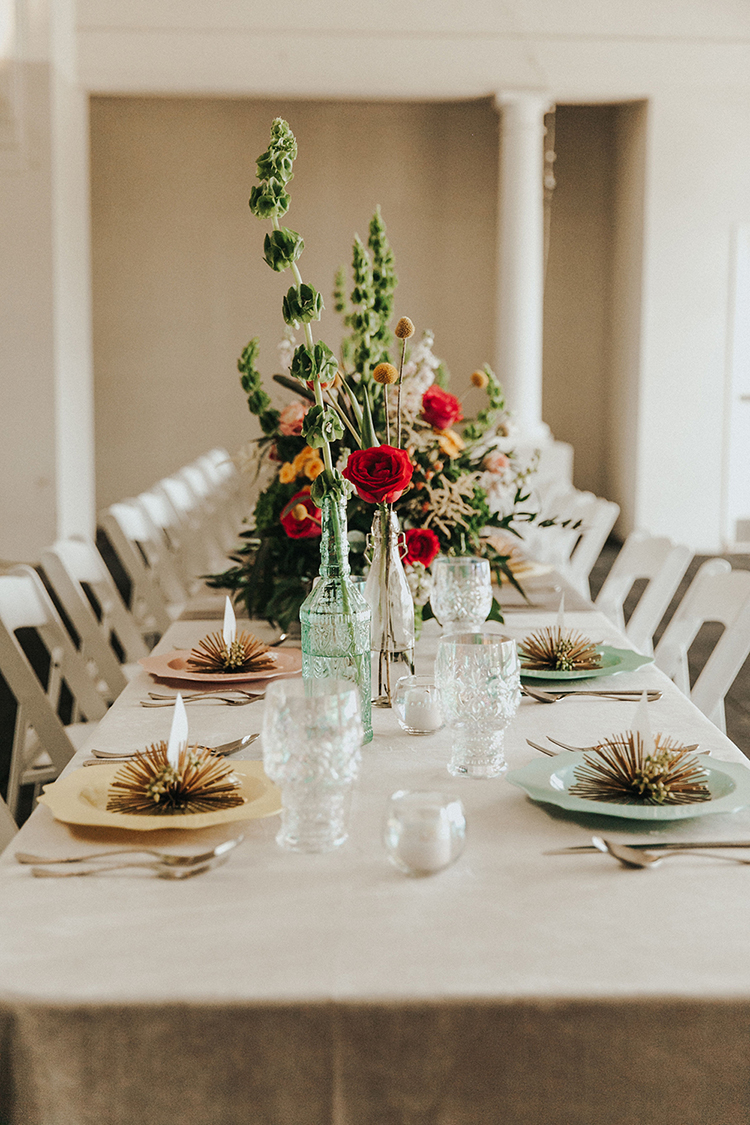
(717, 593)
(42, 746)
(134, 540)
(8, 826)
(573, 549)
(87, 593)
(660, 561)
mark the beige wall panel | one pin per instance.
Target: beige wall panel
(579, 275)
(179, 280)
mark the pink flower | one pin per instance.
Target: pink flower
(290, 421)
(496, 462)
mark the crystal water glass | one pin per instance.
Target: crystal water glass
(478, 675)
(312, 734)
(416, 703)
(461, 597)
(424, 831)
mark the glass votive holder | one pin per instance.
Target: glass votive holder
(424, 831)
(417, 705)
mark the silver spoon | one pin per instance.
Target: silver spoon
(629, 857)
(164, 858)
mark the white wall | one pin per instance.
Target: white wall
(46, 455)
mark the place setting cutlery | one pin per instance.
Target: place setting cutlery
(586, 749)
(107, 757)
(165, 865)
(233, 697)
(622, 696)
(662, 847)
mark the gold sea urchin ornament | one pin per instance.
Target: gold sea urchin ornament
(245, 654)
(152, 786)
(558, 650)
(621, 772)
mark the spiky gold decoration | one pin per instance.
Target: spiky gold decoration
(557, 650)
(619, 771)
(150, 785)
(245, 654)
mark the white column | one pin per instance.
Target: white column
(46, 455)
(520, 277)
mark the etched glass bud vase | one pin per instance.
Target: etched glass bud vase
(389, 597)
(335, 618)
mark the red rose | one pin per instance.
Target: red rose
(297, 525)
(380, 475)
(440, 409)
(422, 545)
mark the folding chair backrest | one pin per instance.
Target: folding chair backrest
(663, 564)
(128, 530)
(25, 604)
(598, 517)
(717, 593)
(87, 593)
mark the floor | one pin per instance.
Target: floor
(737, 702)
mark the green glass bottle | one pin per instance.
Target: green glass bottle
(335, 618)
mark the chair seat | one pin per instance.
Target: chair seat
(41, 768)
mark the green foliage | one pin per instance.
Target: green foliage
(269, 200)
(384, 283)
(301, 304)
(321, 424)
(282, 247)
(277, 161)
(316, 363)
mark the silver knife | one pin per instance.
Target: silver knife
(653, 845)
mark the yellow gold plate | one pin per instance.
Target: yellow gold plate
(79, 798)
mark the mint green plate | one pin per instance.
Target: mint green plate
(550, 779)
(613, 660)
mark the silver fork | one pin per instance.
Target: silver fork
(583, 749)
(208, 694)
(629, 857)
(162, 871)
(618, 696)
(166, 859)
(231, 701)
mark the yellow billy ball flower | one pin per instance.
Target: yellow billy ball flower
(479, 379)
(404, 329)
(385, 373)
(300, 512)
(314, 468)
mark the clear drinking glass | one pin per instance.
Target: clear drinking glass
(416, 702)
(424, 832)
(478, 675)
(461, 595)
(312, 734)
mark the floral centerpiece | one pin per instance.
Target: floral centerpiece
(364, 430)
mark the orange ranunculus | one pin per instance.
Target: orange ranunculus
(451, 443)
(314, 468)
(287, 473)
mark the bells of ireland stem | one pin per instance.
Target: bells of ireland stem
(335, 617)
(389, 597)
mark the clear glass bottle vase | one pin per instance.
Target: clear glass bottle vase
(389, 598)
(335, 618)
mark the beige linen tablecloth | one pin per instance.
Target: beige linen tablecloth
(283, 989)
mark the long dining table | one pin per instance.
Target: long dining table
(514, 987)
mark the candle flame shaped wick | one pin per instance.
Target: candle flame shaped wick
(178, 735)
(229, 631)
(642, 726)
(561, 613)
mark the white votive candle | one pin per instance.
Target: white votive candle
(422, 709)
(424, 842)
